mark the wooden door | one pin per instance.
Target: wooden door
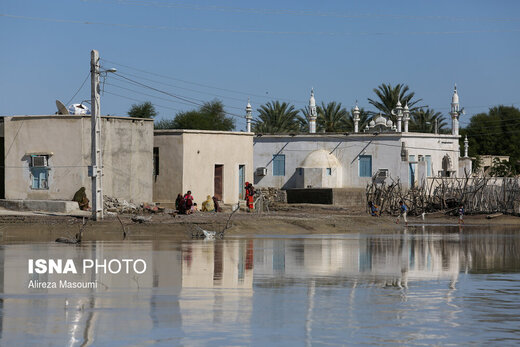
(219, 177)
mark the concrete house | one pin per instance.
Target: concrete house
(47, 157)
(351, 160)
(207, 162)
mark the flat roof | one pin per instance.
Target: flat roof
(361, 134)
(194, 131)
(61, 116)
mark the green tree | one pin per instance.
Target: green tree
(275, 117)
(387, 97)
(210, 116)
(332, 118)
(502, 168)
(143, 110)
(423, 121)
(496, 132)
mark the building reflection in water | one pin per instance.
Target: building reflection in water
(191, 289)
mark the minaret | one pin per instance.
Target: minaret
(312, 113)
(466, 146)
(455, 112)
(356, 118)
(406, 117)
(249, 115)
(399, 114)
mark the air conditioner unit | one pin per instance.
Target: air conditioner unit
(382, 173)
(39, 161)
(261, 171)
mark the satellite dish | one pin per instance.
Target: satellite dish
(62, 109)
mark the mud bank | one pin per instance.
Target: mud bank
(290, 219)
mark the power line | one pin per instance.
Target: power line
(82, 84)
(170, 94)
(198, 100)
(256, 31)
(204, 85)
(304, 12)
(133, 99)
(184, 88)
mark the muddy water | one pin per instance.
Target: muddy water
(420, 286)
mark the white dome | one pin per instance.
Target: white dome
(372, 123)
(320, 159)
(389, 123)
(380, 120)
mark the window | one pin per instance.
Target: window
(329, 171)
(39, 172)
(300, 171)
(428, 160)
(279, 165)
(156, 161)
(365, 166)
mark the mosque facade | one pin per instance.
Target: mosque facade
(383, 151)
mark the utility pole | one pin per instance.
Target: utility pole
(96, 169)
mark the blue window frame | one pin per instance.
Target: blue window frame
(279, 165)
(40, 176)
(365, 166)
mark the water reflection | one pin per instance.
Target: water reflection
(399, 288)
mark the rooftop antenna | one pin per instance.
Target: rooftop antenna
(62, 109)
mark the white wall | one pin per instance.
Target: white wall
(385, 150)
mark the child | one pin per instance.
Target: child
(461, 214)
(374, 209)
(403, 209)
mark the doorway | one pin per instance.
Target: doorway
(219, 177)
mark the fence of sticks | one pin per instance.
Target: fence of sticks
(477, 194)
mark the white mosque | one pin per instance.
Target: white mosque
(381, 151)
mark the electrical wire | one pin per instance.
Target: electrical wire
(298, 12)
(82, 84)
(255, 31)
(133, 99)
(198, 100)
(204, 85)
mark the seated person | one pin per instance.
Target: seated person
(207, 205)
(374, 209)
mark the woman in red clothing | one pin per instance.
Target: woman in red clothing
(250, 193)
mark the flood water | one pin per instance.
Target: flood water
(421, 286)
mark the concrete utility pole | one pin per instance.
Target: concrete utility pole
(96, 170)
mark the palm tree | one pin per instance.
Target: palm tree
(364, 119)
(423, 121)
(332, 117)
(388, 97)
(275, 117)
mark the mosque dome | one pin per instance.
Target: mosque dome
(380, 120)
(372, 123)
(389, 123)
(320, 159)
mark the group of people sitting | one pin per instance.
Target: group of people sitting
(185, 205)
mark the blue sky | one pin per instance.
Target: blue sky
(267, 50)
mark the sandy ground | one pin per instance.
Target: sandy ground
(286, 219)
